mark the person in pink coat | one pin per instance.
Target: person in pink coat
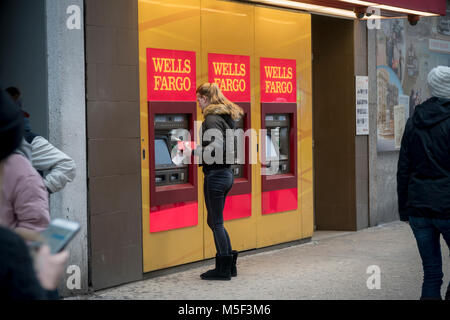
(24, 196)
(21, 276)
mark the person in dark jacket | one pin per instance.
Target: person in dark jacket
(423, 179)
(21, 278)
(217, 156)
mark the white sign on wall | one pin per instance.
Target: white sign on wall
(439, 45)
(362, 105)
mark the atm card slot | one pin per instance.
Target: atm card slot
(171, 177)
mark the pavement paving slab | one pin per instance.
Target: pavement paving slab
(332, 266)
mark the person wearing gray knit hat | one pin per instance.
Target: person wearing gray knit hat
(439, 82)
(423, 180)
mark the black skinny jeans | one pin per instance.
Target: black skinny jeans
(218, 183)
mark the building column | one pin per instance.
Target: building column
(67, 127)
(372, 68)
(361, 141)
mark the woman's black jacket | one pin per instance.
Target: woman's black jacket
(216, 140)
(423, 175)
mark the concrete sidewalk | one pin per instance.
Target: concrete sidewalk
(332, 266)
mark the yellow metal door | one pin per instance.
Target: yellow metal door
(225, 27)
(228, 28)
(171, 25)
(287, 35)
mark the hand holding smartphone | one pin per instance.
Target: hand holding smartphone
(50, 267)
(59, 233)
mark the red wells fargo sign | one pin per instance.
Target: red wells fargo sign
(171, 75)
(278, 80)
(232, 75)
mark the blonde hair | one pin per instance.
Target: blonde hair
(216, 97)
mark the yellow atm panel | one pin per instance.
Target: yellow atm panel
(172, 210)
(228, 35)
(183, 43)
(283, 40)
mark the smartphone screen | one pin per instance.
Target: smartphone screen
(59, 233)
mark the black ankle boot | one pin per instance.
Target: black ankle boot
(222, 270)
(234, 253)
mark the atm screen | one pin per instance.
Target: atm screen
(278, 149)
(284, 143)
(162, 155)
(271, 150)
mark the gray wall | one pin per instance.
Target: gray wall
(113, 135)
(67, 127)
(361, 142)
(23, 56)
(382, 165)
(373, 155)
(45, 60)
(387, 187)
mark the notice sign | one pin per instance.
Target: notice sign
(362, 105)
(171, 75)
(232, 75)
(439, 45)
(278, 80)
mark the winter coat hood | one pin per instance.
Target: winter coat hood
(25, 150)
(431, 112)
(221, 110)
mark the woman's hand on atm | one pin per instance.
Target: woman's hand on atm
(186, 145)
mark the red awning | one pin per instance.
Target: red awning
(425, 6)
(430, 6)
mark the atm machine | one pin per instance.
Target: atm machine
(173, 181)
(238, 167)
(239, 201)
(277, 144)
(279, 157)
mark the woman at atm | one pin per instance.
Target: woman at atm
(220, 115)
